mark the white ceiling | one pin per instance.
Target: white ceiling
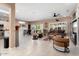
(40, 11)
(4, 11)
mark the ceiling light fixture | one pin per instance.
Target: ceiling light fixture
(21, 22)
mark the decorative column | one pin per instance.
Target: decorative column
(77, 16)
(69, 27)
(12, 26)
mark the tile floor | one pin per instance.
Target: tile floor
(29, 47)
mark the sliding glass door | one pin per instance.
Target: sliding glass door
(74, 32)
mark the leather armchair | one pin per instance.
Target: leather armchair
(61, 42)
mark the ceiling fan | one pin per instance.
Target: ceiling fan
(56, 15)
